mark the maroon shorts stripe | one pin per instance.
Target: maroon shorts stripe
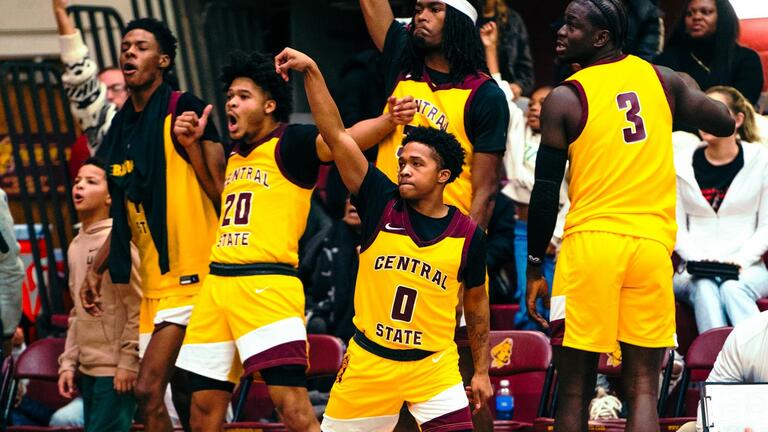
(557, 329)
(289, 353)
(459, 420)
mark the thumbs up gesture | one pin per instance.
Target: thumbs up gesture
(189, 127)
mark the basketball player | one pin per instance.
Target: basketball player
(250, 312)
(162, 187)
(415, 254)
(439, 60)
(613, 281)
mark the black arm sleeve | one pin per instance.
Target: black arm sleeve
(489, 119)
(500, 241)
(545, 200)
(474, 270)
(371, 199)
(395, 44)
(298, 151)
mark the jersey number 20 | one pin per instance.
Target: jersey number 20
(630, 102)
(242, 212)
(404, 304)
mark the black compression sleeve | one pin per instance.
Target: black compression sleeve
(545, 201)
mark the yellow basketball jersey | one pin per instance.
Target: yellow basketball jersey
(439, 106)
(621, 166)
(191, 225)
(264, 212)
(407, 289)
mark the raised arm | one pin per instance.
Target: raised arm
(189, 129)
(694, 108)
(378, 17)
(63, 22)
(87, 95)
(368, 133)
(349, 158)
(560, 111)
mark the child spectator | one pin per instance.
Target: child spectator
(722, 215)
(103, 349)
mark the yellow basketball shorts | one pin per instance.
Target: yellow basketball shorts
(156, 312)
(259, 319)
(370, 390)
(612, 288)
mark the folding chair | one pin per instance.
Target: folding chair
(326, 353)
(698, 363)
(527, 367)
(39, 363)
(6, 382)
(503, 316)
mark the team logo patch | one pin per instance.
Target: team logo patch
(343, 368)
(501, 354)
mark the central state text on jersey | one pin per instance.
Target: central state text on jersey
(414, 265)
(398, 335)
(255, 175)
(432, 113)
(240, 238)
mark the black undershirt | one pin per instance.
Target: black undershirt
(374, 194)
(714, 180)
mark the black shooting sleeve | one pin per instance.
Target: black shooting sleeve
(545, 201)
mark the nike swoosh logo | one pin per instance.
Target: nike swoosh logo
(92, 250)
(437, 359)
(261, 290)
(393, 228)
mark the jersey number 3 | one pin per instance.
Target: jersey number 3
(630, 103)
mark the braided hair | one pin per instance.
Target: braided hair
(460, 45)
(610, 15)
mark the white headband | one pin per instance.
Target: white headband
(464, 7)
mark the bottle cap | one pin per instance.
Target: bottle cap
(504, 383)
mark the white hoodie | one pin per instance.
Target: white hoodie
(738, 232)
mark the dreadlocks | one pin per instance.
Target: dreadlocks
(460, 45)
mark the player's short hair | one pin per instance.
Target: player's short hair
(610, 15)
(261, 69)
(97, 162)
(165, 38)
(448, 151)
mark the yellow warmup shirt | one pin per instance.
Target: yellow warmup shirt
(621, 168)
(191, 225)
(442, 107)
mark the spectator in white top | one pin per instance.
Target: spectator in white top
(743, 359)
(722, 215)
(95, 97)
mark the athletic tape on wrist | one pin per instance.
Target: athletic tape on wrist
(464, 7)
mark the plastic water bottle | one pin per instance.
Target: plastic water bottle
(505, 403)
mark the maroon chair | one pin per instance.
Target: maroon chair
(685, 327)
(39, 363)
(503, 316)
(527, 369)
(698, 363)
(762, 304)
(326, 353)
(6, 384)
